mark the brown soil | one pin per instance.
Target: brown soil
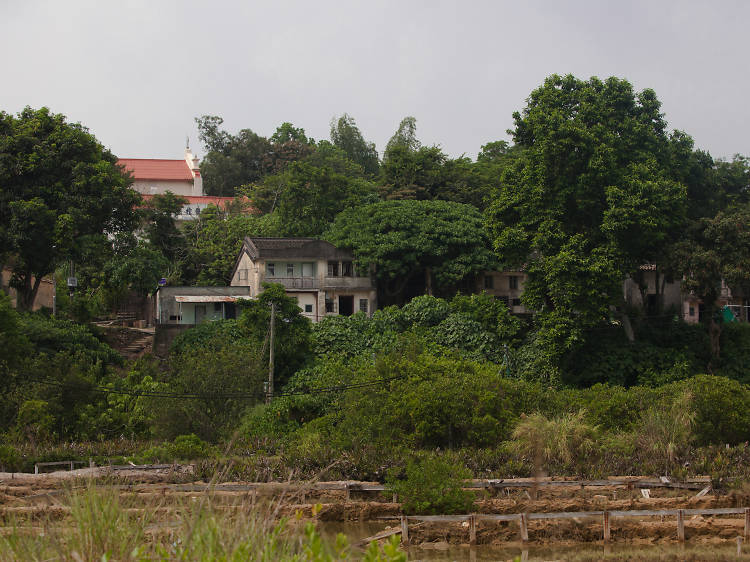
(33, 498)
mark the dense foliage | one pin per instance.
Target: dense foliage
(438, 383)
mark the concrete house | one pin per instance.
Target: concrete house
(320, 276)
(181, 177)
(506, 286)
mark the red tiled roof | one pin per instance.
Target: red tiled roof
(152, 169)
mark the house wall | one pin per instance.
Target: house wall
(44, 296)
(672, 296)
(247, 275)
(168, 309)
(309, 289)
(500, 284)
(154, 187)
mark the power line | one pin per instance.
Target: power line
(214, 396)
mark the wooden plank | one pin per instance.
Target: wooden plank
(404, 530)
(703, 492)
(680, 525)
(524, 527)
(381, 535)
(565, 515)
(472, 530)
(605, 521)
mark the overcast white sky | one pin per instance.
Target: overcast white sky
(137, 72)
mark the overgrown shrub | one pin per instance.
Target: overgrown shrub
(431, 486)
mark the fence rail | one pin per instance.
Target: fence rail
(606, 517)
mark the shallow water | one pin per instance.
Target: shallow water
(432, 552)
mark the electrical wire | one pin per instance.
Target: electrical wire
(214, 396)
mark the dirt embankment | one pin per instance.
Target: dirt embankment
(34, 497)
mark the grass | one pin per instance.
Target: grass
(102, 526)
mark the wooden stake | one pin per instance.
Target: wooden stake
(404, 530)
(680, 525)
(606, 526)
(348, 492)
(739, 546)
(524, 527)
(472, 530)
(747, 523)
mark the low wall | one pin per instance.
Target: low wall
(165, 334)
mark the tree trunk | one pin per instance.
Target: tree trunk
(27, 294)
(628, 327)
(428, 280)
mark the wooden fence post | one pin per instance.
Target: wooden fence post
(404, 530)
(348, 492)
(472, 530)
(524, 527)
(680, 525)
(606, 526)
(747, 523)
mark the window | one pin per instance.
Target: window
(333, 269)
(188, 211)
(197, 211)
(217, 307)
(271, 269)
(363, 305)
(290, 270)
(242, 274)
(692, 311)
(489, 282)
(308, 308)
(346, 269)
(329, 304)
(516, 302)
(307, 269)
(513, 282)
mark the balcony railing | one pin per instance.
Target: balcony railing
(295, 282)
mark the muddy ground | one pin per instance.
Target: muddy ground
(40, 497)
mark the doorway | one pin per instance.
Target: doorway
(200, 313)
(346, 305)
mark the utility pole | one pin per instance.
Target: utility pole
(269, 393)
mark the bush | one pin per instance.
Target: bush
(190, 447)
(10, 459)
(432, 487)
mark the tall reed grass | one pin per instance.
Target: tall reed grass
(101, 524)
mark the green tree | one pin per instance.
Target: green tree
(715, 250)
(405, 136)
(589, 198)
(346, 135)
(438, 241)
(161, 225)
(230, 160)
(59, 188)
(233, 161)
(292, 329)
(313, 196)
(215, 238)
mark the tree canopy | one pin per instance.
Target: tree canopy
(590, 196)
(439, 241)
(60, 189)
